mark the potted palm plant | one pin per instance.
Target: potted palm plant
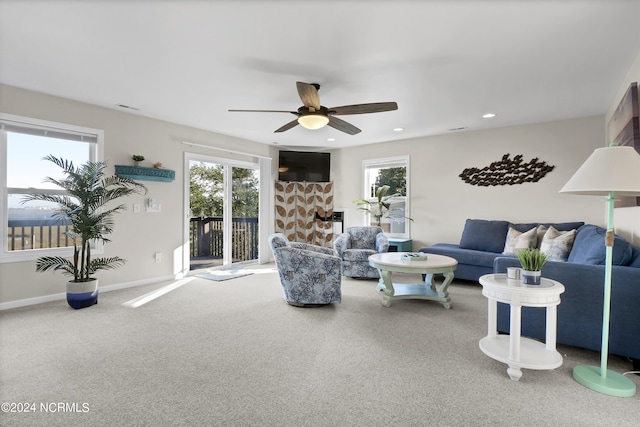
(381, 207)
(532, 261)
(88, 191)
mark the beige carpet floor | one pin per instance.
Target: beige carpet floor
(202, 353)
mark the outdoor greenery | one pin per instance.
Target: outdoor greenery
(532, 259)
(395, 178)
(207, 191)
(88, 191)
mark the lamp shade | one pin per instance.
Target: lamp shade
(608, 169)
(313, 121)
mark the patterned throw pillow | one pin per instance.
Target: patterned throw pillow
(540, 232)
(557, 244)
(516, 240)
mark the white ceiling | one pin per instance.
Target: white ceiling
(444, 62)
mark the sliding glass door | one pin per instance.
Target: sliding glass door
(223, 211)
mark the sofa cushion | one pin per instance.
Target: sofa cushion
(589, 247)
(484, 235)
(517, 240)
(357, 255)
(557, 244)
(560, 226)
(463, 256)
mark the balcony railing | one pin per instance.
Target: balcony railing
(26, 234)
(206, 234)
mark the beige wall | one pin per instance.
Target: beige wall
(137, 236)
(441, 201)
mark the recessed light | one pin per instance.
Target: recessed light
(488, 115)
(331, 139)
(398, 129)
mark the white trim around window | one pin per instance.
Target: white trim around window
(39, 128)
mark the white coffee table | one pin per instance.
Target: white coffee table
(386, 263)
(516, 351)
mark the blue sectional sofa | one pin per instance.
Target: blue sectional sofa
(580, 311)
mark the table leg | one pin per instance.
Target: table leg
(492, 318)
(381, 286)
(550, 338)
(442, 292)
(385, 276)
(514, 342)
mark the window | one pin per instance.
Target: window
(30, 230)
(394, 172)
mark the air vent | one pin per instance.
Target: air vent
(127, 107)
(457, 129)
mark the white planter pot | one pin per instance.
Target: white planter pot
(531, 277)
(82, 294)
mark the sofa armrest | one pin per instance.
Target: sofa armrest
(581, 306)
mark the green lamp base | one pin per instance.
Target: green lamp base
(613, 385)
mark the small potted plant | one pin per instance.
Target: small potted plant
(532, 261)
(84, 206)
(137, 158)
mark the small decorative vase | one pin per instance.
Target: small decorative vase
(531, 277)
(82, 294)
(136, 163)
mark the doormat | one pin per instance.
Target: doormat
(219, 276)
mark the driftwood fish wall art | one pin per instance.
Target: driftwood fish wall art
(507, 172)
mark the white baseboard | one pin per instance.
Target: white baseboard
(61, 296)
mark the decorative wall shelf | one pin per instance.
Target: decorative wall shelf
(140, 173)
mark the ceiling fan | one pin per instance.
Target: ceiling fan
(312, 115)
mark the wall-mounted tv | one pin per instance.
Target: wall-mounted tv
(304, 166)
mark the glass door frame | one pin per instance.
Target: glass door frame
(227, 205)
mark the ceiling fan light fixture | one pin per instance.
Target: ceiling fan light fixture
(313, 121)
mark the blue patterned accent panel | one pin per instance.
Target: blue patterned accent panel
(309, 274)
(354, 247)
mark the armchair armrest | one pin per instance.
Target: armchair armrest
(313, 248)
(382, 243)
(326, 263)
(342, 243)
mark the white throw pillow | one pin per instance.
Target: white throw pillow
(557, 244)
(517, 240)
(540, 232)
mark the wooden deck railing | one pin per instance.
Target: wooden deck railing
(205, 235)
(38, 234)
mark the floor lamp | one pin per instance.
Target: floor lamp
(608, 171)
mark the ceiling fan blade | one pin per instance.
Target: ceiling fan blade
(343, 126)
(288, 126)
(309, 95)
(375, 107)
(264, 111)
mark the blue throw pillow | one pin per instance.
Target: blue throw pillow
(484, 235)
(589, 247)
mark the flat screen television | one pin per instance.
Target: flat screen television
(304, 166)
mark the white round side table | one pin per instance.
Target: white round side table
(516, 351)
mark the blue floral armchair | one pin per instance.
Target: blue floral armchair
(354, 247)
(310, 275)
